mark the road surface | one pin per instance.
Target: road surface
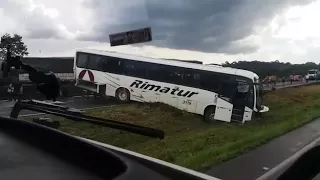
(78, 103)
(255, 163)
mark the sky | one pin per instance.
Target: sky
(212, 31)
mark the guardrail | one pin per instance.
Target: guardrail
(280, 85)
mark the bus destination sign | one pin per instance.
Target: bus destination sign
(131, 37)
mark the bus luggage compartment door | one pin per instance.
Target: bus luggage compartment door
(223, 110)
(150, 96)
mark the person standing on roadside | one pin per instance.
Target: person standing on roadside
(10, 92)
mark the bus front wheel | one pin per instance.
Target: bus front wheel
(209, 114)
(123, 95)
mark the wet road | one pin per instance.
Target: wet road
(78, 103)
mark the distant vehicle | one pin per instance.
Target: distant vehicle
(218, 93)
(313, 74)
(296, 77)
(271, 81)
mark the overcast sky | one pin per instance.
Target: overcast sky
(213, 31)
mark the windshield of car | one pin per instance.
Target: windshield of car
(312, 72)
(174, 66)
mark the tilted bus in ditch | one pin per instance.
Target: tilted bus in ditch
(217, 93)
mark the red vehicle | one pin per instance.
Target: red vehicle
(296, 77)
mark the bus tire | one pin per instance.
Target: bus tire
(123, 95)
(209, 114)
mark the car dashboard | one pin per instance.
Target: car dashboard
(33, 151)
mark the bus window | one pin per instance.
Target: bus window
(135, 69)
(82, 60)
(228, 89)
(95, 62)
(209, 81)
(243, 87)
(155, 72)
(192, 78)
(173, 75)
(245, 94)
(113, 65)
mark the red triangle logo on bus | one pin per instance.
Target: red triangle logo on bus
(84, 72)
(91, 76)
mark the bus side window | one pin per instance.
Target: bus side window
(210, 81)
(82, 60)
(192, 78)
(94, 62)
(228, 89)
(173, 75)
(155, 72)
(114, 65)
(135, 69)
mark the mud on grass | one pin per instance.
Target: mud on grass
(192, 143)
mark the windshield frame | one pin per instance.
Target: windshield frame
(258, 91)
(258, 87)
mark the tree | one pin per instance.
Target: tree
(14, 44)
(276, 67)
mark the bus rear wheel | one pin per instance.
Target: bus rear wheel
(209, 114)
(123, 95)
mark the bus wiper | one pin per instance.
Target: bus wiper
(76, 115)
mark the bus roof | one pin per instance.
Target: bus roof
(220, 69)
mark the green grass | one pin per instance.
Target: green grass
(192, 143)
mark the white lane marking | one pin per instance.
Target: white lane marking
(288, 160)
(265, 168)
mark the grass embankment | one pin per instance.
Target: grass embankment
(194, 144)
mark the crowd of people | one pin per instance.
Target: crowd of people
(15, 91)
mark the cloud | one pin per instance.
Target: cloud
(212, 31)
(213, 26)
(32, 20)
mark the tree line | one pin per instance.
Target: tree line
(280, 69)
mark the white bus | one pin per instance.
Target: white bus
(217, 93)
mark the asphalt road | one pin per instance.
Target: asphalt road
(78, 103)
(255, 163)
